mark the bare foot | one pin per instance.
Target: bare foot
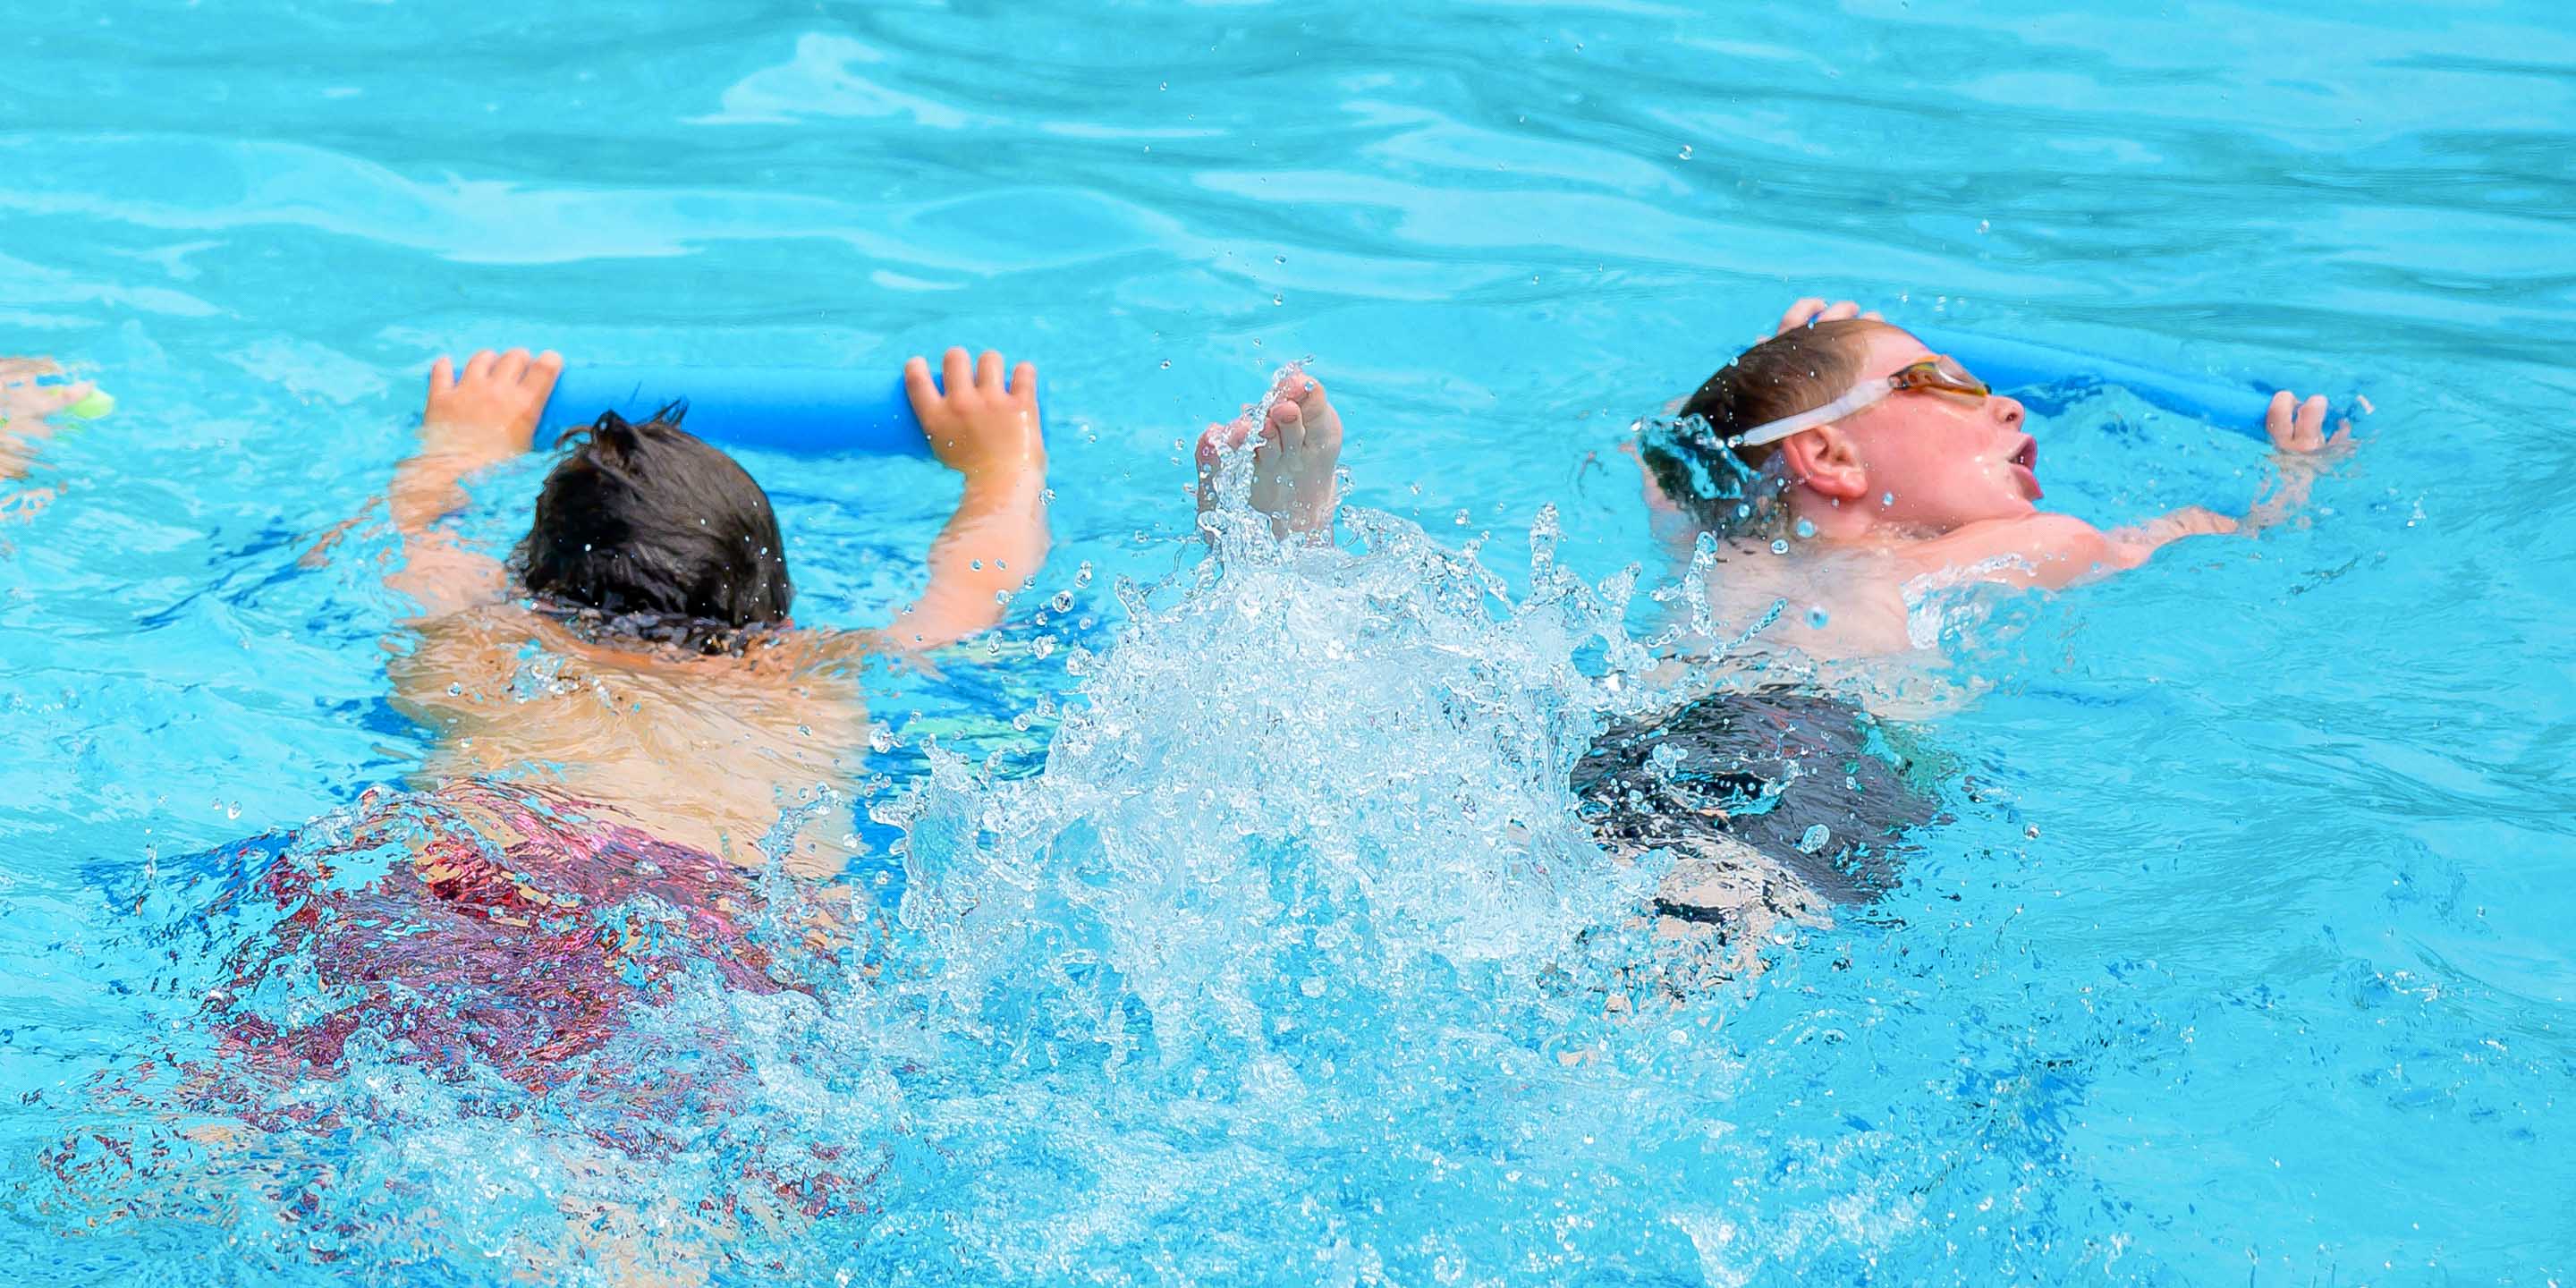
(1293, 465)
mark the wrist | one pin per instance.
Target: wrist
(1002, 478)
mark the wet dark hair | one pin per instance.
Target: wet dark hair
(644, 531)
(1795, 371)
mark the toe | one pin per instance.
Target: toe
(1290, 429)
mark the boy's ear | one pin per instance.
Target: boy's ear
(1826, 459)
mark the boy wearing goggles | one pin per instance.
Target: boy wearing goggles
(1902, 471)
(1894, 465)
(1891, 470)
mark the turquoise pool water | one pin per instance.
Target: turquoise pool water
(2242, 958)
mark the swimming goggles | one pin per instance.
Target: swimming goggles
(1938, 374)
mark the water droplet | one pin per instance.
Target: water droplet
(1280, 258)
(1887, 498)
(1743, 511)
(1815, 617)
(976, 564)
(1814, 840)
(1461, 519)
(2031, 832)
(1167, 364)
(1276, 298)
(1805, 529)
(881, 740)
(1779, 545)
(1686, 150)
(1983, 225)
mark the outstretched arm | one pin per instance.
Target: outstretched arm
(2056, 549)
(2300, 450)
(987, 430)
(473, 419)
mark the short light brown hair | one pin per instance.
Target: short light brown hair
(1795, 371)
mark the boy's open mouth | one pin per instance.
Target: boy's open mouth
(2026, 459)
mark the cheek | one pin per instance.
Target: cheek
(1919, 463)
(1933, 475)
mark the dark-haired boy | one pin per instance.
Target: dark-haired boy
(669, 683)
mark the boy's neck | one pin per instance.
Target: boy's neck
(1836, 520)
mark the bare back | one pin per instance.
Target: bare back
(704, 751)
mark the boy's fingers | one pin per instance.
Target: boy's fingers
(1024, 381)
(65, 395)
(543, 372)
(509, 367)
(1799, 313)
(2311, 423)
(956, 371)
(916, 385)
(442, 374)
(1875, 316)
(988, 371)
(1838, 311)
(480, 365)
(2276, 419)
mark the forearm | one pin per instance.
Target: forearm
(2138, 541)
(429, 485)
(437, 573)
(992, 545)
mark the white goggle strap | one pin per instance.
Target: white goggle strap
(1869, 394)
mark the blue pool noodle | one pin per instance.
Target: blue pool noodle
(810, 411)
(2011, 365)
(817, 411)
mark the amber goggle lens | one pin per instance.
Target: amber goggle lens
(1940, 375)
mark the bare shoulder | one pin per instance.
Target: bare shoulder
(455, 662)
(2037, 549)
